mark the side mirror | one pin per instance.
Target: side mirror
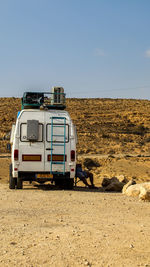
(8, 147)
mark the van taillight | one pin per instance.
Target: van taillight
(16, 154)
(72, 155)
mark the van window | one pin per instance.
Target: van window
(23, 133)
(58, 133)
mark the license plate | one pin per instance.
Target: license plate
(44, 175)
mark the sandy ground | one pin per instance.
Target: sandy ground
(42, 226)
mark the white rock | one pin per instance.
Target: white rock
(142, 190)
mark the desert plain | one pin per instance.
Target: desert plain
(45, 226)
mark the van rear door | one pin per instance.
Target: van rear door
(31, 153)
(57, 145)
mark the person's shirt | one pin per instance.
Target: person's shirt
(78, 169)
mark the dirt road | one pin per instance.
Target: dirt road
(42, 227)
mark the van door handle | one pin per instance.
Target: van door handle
(49, 148)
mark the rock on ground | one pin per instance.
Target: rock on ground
(115, 184)
(142, 190)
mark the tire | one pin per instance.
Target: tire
(69, 183)
(12, 183)
(19, 183)
(65, 183)
(59, 182)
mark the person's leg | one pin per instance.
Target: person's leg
(83, 179)
(81, 176)
(90, 175)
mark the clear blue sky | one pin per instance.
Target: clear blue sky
(93, 48)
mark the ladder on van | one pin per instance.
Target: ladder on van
(53, 143)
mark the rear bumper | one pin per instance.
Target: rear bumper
(32, 176)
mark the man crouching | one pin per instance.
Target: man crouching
(83, 175)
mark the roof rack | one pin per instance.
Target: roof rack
(44, 100)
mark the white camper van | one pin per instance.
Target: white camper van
(43, 144)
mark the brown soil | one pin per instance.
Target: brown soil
(111, 126)
(104, 126)
(43, 226)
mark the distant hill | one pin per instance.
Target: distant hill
(104, 126)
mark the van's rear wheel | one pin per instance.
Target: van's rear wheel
(12, 183)
(69, 183)
(19, 183)
(59, 183)
(64, 183)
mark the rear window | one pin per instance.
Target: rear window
(23, 133)
(59, 132)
